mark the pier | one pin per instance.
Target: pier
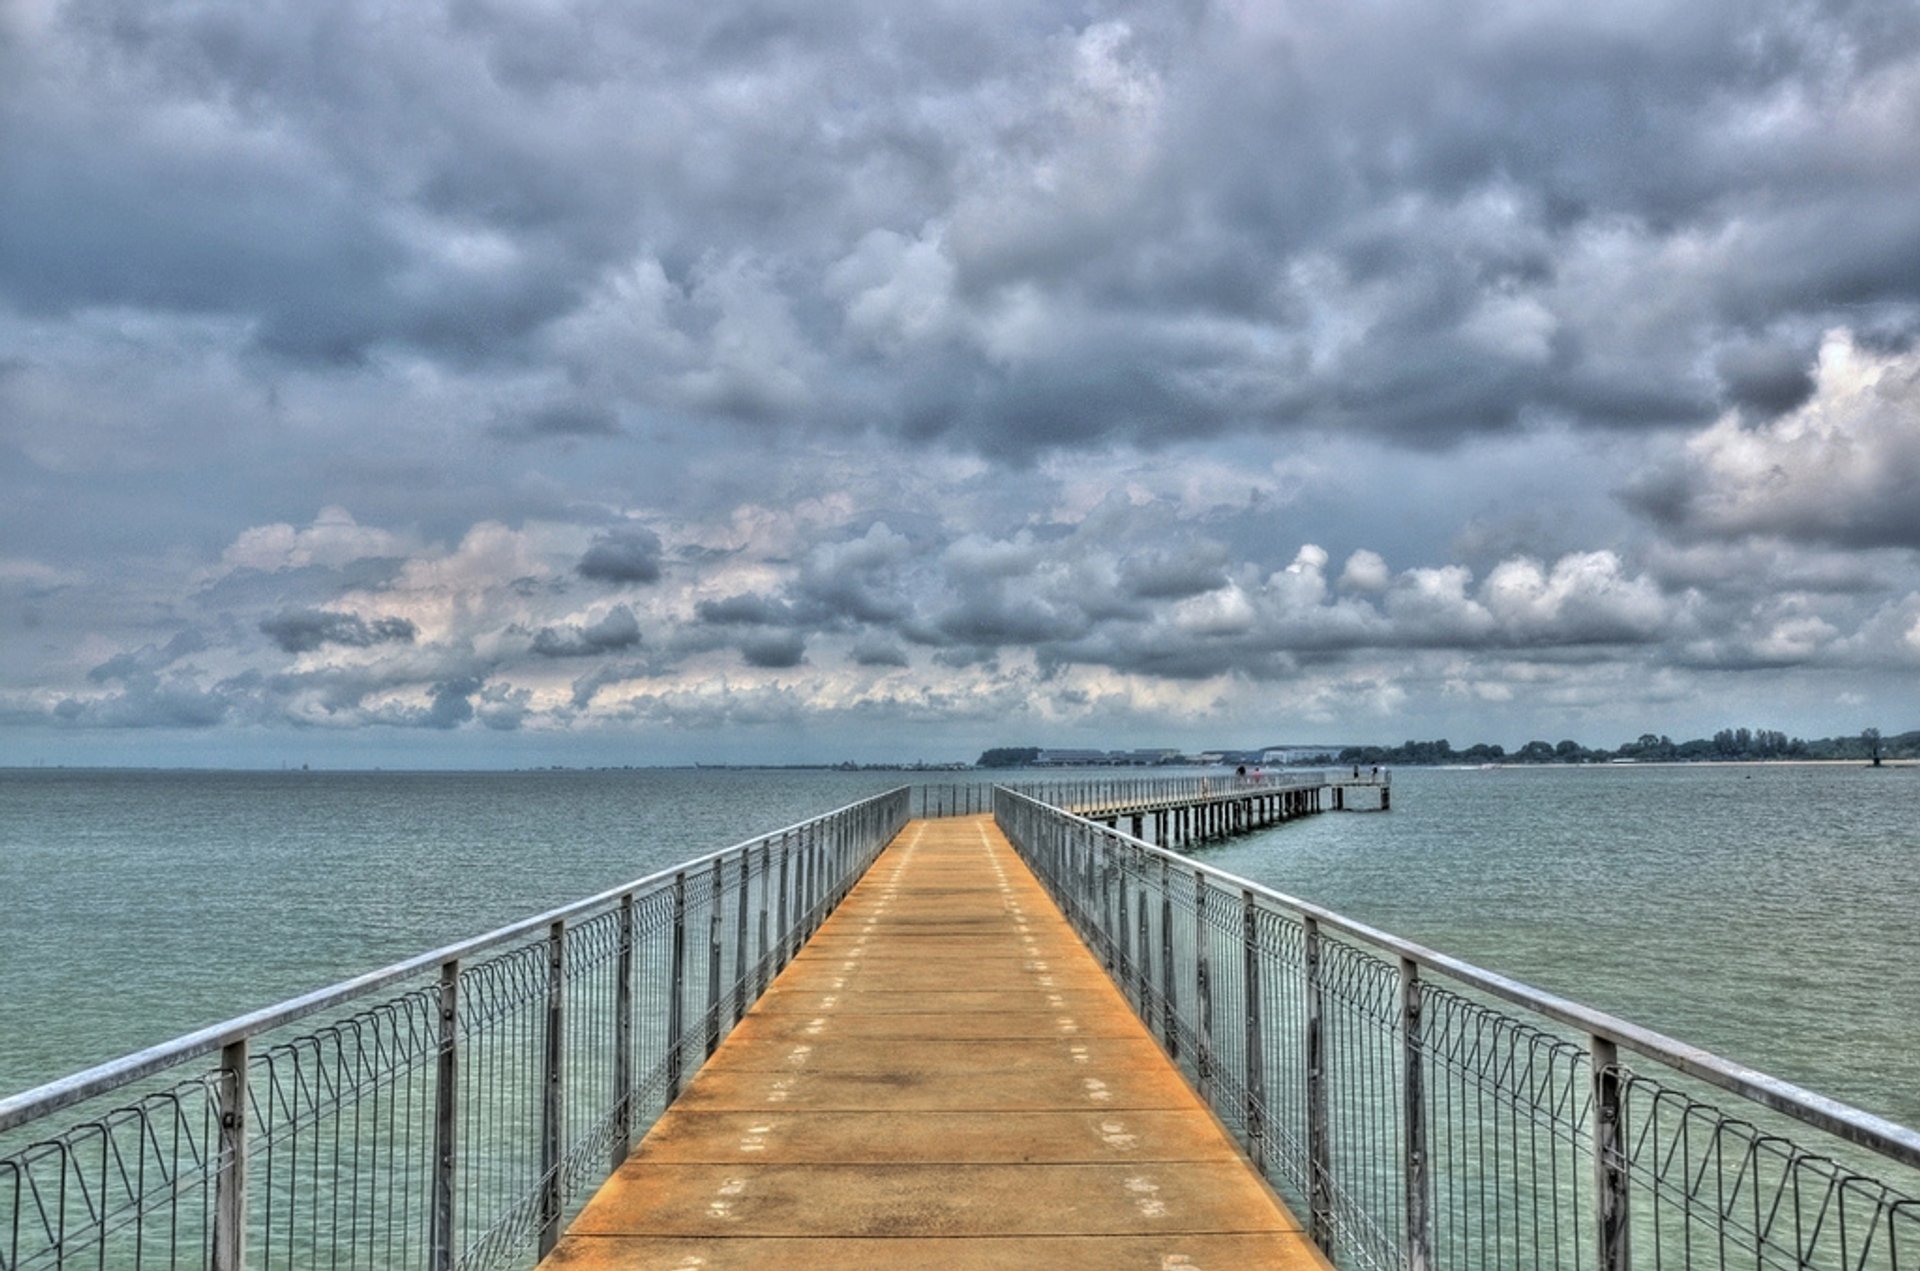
(1213, 810)
(944, 1077)
(1181, 811)
(1029, 1038)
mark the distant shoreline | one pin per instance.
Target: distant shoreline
(1685, 763)
(951, 772)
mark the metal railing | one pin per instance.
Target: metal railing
(452, 1110)
(1422, 1112)
(1107, 794)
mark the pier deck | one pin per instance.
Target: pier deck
(943, 1077)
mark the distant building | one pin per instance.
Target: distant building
(1299, 754)
(1074, 757)
(1067, 757)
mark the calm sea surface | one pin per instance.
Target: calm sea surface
(1769, 914)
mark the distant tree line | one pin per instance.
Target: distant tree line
(1727, 744)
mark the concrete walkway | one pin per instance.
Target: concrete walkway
(943, 1078)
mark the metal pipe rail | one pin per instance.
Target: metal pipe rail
(1390, 1094)
(1121, 794)
(450, 1110)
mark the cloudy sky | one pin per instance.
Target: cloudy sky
(528, 381)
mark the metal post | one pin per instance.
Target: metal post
(623, 1038)
(1145, 928)
(1413, 1100)
(446, 1121)
(1319, 1158)
(1106, 888)
(230, 1178)
(1203, 987)
(1123, 934)
(1256, 1055)
(740, 936)
(1609, 1158)
(809, 880)
(766, 861)
(780, 907)
(1168, 1028)
(553, 1107)
(716, 908)
(676, 993)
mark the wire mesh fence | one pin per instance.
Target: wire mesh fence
(454, 1110)
(1116, 795)
(1417, 1111)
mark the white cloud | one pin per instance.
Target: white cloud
(1365, 571)
(333, 539)
(1584, 598)
(1843, 467)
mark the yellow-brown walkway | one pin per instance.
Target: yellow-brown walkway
(945, 1078)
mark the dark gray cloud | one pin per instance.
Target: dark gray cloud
(148, 701)
(627, 555)
(304, 630)
(746, 609)
(773, 650)
(557, 420)
(1030, 340)
(1041, 228)
(1767, 378)
(619, 629)
(588, 686)
(450, 705)
(1160, 574)
(148, 659)
(877, 653)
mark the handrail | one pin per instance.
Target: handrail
(1108, 793)
(1853, 1124)
(28, 1105)
(1421, 1110)
(466, 1109)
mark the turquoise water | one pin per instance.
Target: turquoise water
(1766, 913)
(141, 905)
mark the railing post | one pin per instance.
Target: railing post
(1203, 988)
(1143, 926)
(1319, 1154)
(809, 879)
(553, 1107)
(1106, 899)
(1413, 1099)
(446, 1121)
(1609, 1158)
(716, 910)
(623, 1038)
(780, 907)
(230, 1179)
(1168, 1018)
(1256, 1054)
(761, 963)
(676, 993)
(740, 936)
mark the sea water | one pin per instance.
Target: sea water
(1766, 913)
